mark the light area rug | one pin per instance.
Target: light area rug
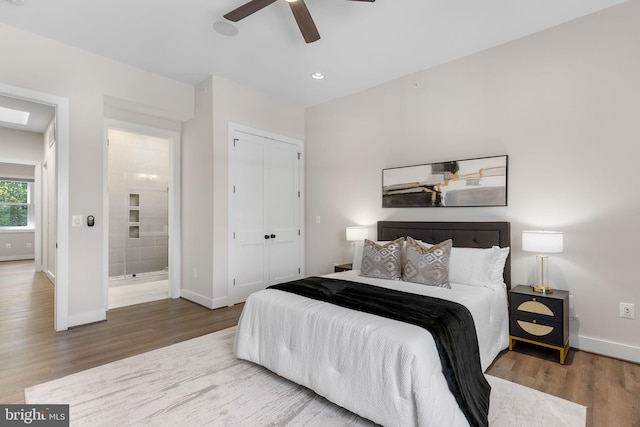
(199, 382)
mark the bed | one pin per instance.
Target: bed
(379, 368)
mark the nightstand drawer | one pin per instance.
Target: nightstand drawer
(541, 319)
(540, 330)
(537, 307)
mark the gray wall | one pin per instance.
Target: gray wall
(88, 81)
(204, 177)
(563, 104)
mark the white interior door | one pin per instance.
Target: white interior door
(283, 212)
(264, 214)
(249, 256)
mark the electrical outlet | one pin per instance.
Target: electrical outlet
(28, 244)
(627, 310)
(8, 246)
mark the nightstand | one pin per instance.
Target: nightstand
(541, 319)
(342, 267)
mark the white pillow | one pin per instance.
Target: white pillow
(477, 266)
(497, 275)
(357, 255)
(471, 266)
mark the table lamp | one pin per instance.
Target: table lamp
(355, 234)
(543, 242)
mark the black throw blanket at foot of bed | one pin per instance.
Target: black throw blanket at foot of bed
(450, 323)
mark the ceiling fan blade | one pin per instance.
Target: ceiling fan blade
(247, 9)
(304, 20)
(370, 1)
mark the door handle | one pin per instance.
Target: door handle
(273, 236)
(266, 236)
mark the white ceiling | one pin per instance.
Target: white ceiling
(362, 45)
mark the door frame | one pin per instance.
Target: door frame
(61, 288)
(175, 233)
(232, 130)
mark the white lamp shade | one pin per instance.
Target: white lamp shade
(549, 242)
(357, 233)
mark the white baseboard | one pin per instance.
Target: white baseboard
(16, 257)
(196, 297)
(606, 348)
(210, 303)
(84, 318)
(51, 276)
(220, 302)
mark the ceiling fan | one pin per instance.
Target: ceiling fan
(298, 8)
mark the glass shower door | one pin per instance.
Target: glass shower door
(146, 246)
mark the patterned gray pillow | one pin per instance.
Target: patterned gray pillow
(382, 262)
(428, 266)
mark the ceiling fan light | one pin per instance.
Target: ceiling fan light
(317, 76)
(17, 2)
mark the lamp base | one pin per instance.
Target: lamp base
(543, 289)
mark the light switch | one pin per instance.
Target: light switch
(76, 220)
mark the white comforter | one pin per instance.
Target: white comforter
(382, 369)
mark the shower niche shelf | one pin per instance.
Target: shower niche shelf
(134, 200)
(134, 215)
(134, 232)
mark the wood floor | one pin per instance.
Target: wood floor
(32, 353)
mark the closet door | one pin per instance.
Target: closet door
(264, 214)
(248, 255)
(283, 212)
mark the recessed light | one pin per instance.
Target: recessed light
(17, 2)
(10, 115)
(317, 76)
(225, 28)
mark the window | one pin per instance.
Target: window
(15, 203)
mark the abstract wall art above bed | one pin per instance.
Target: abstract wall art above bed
(462, 183)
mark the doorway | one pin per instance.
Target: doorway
(140, 206)
(58, 245)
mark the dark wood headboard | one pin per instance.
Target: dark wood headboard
(463, 234)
